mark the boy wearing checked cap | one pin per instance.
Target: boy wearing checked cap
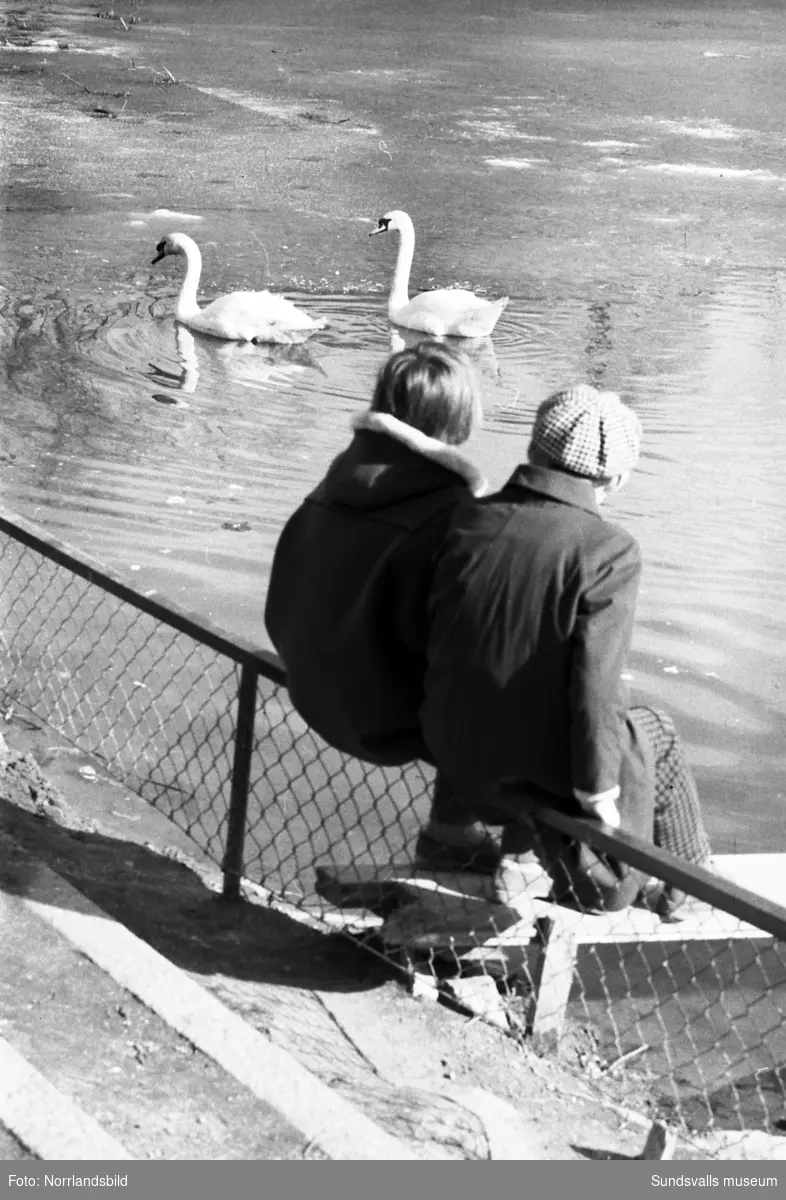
(531, 616)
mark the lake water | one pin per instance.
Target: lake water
(618, 170)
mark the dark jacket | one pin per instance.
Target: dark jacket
(348, 592)
(531, 615)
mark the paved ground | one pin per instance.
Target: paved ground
(118, 1061)
(315, 996)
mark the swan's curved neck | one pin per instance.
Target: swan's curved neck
(187, 300)
(399, 292)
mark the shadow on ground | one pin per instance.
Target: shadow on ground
(338, 1009)
(290, 982)
(167, 904)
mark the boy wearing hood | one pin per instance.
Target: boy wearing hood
(348, 596)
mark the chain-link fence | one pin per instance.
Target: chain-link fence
(200, 725)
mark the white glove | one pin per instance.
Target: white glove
(601, 805)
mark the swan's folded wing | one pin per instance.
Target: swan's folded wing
(485, 317)
(447, 303)
(281, 311)
(255, 316)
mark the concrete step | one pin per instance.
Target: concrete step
(103, 1042)
(445, 909)
(290, 987)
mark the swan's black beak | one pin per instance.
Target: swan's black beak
(381, 228)
(161, 253)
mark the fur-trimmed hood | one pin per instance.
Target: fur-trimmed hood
(400, 465)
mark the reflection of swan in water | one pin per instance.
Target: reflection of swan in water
(243, 362)
(479, 350)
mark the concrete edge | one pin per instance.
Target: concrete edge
(509, 1136)
(273, 1075)
(44, 1120)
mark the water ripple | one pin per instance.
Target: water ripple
(178, 457)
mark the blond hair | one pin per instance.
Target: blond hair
(433, 388)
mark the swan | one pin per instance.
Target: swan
(239, 316)
(452, 312)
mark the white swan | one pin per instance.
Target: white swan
(239, 316)
(452, 312)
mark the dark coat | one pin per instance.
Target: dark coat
(348, 593)
(531, 614)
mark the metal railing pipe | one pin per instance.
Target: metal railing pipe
(233, 860)
(712, 889)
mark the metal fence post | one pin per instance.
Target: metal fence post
(233, 861)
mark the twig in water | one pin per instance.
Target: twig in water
(78, 84)
(385, 150)
(513, 402)
(264, 251)
(122, 22)
(169, 76)
(625, 1058)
